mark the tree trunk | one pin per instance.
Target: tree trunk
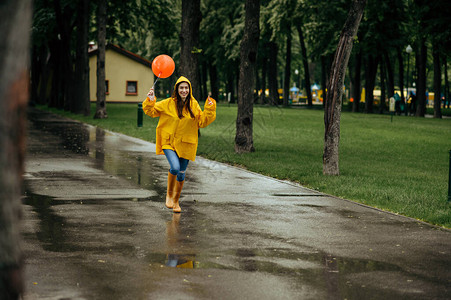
(324, 77)
(391, 78)
(81, 103)
(401, 73)
(272, 73)
(437, 83)
(189, 40)
(44, 78)
(230, 86)
(15, 28)
(204, 81)
(357, 82)
(421, 81)
(370, 82)
(263, 82)
(213, 72)
(383, 96)
(286, 83)
(65, 66)
(101, 41)
(308, 85)
(447, 95)
(36, 71)
(332, 112)
(248, 56)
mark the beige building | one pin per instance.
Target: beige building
(128, 76)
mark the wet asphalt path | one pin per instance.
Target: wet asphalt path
(95, 227)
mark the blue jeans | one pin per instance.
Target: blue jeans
(177, 164)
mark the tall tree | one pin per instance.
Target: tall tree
(437, 82)
(101, 112)
(287, 75)
(357, 81)
(421, 80)
(305, 65)
(15, 25)
(64, 73)
(272, 73)
(370, 82)
(332, 112)
(248, 55)
(189, 42)
(81, 102)
(280, 21)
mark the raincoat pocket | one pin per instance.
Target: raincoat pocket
(187, 147)
(189, 139)
(165, 140)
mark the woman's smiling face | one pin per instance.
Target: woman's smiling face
(183, 90)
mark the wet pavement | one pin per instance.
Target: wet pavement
(95, 227)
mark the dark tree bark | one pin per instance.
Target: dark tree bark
(370, 82)
(401, 73)
(189, 41)
(421, 82)
(36, 71)
(57, 70)
(308, 85)
(357, 82)
(81, 103)
(44, 78)
(324, 78)
(272, 73)
(101, 112)
(390, 76)
(447, 95)
(204, 81)
(263, 82)
(214, 88)
(437, 83)
(15, 28)
(332, 111)
(65, 65)
(383, 96)
(286, 82)
(230, 85)
(248, 57)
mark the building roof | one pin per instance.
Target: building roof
(93, 51)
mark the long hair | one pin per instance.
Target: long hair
(180, 105)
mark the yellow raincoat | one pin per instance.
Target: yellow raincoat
(180, 135)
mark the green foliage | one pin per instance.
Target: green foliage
(145, 27)
(44, 23)
(400, 166)
(323, 25)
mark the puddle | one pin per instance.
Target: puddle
(224, 237)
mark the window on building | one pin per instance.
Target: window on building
(132, 88)
(107, 87)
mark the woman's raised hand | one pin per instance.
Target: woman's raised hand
(151, 94)
(210, 103)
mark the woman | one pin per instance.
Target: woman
(177, 132)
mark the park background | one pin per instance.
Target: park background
(398, 164)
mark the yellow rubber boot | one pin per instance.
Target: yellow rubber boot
(177, 192)
(170, 190)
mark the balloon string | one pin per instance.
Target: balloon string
(158, 77)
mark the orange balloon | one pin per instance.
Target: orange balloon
(163, 66)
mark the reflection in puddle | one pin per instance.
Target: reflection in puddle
(181, 261)
(174, 239)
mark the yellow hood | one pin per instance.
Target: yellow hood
(184, 79)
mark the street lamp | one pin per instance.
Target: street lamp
(408, 50)
(297, 81)
(297, 76)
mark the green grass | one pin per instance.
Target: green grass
(400, 166)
